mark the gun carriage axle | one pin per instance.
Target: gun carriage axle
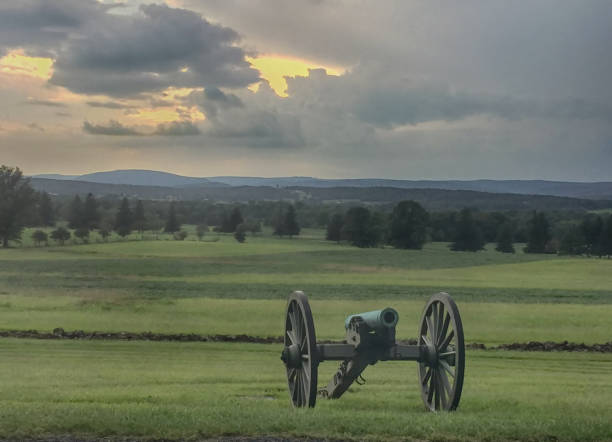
(370, 337)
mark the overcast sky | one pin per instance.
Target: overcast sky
(391, 89)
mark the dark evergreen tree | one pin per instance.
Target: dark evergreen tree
(91, 216)
(17, 200)
(468, 235)
(591, 226)
(46, 212)
(505, 238)
(240, 233)
(538, 234)
(235, 219)
(123, 220)
(172, 223)
(572, 242)
(82, 233)
(61, 235)
(408, 229)
(360, 228)
(290, 224)
(334, 228)
(39, 237)
(605, 239)
(139, 218)
(201, 230)
(75, 215)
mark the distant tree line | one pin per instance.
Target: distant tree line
(405, 225)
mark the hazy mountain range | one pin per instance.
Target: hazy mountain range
(594, 190)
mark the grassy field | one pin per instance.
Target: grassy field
(218, 286)
(169, 390)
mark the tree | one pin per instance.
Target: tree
(39, 237)
(408, 229)
(17, 199)
(180, 235)
(334, 228)
(468, 236)
(201, 230)
(90, 217)
(123, 220)
(61, 235)
(82, 233)
(572, 242)
(172, 224)
(46, 213)
(75, 215)
(591, 227)
(605, 240)
(235, 219)
(360, 228)
(505, 238)
(240, 233)
(290, 224)
(140, 221)
(538, 234)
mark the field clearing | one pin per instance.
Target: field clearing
(156, 390)
(488, 323)
(173, 390)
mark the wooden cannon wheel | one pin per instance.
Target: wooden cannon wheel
(441, 370)
(300, 352)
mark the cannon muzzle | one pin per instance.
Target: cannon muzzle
(377, 319)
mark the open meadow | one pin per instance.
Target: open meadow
(218, 286)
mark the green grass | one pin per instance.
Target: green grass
(217, 286)
(169, 390)
(489, 323)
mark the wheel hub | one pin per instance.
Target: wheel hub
(292, 356)
(431, 355)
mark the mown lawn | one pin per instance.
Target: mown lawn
(182, 390)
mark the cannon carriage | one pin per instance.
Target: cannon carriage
(370, 337)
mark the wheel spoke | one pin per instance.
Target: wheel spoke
(447, 368)
(446, 354)
(437, 392)
(292, 337)
(446, 341)
(426, 339)
(431, 390)
(445, 382)
(305, 382)
(291, 314)
(430, 328)
(444, 329)
(442, 390)
(425, 378)
(439, 322)
(291, 375)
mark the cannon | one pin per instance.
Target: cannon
(370, 337)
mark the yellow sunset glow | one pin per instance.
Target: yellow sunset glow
(17, 63)
(166, 114)
(274, 68)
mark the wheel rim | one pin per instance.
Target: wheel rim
(299, 354)
(442, 368)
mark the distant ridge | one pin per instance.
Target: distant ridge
(596, 190)
(431, 199)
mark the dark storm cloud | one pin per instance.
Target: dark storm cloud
(112, 128)
(40, 25)
(213, 100)
(259, 128)
(150, 51)
(177, 128)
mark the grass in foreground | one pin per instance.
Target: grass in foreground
(173, 390)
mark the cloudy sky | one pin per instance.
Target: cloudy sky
(327, 88)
